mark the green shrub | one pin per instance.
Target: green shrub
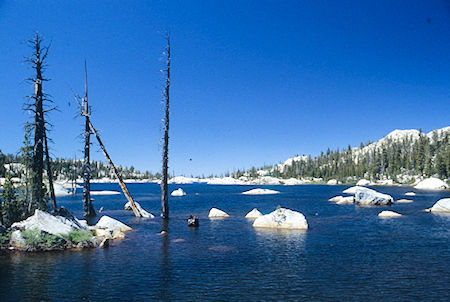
(78, 236)
(37, 240)
(5, 237)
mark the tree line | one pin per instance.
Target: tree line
(399, 160)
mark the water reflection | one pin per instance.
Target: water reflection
(165, 269)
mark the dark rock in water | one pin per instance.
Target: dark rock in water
(104, 243)
(193, 221)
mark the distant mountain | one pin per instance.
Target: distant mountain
(400, 156)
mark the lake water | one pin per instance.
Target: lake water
(347, 254)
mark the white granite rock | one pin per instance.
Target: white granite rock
(363, 182)
(216, 213)
(346, 200)
(260, 192)
(404, 201)
(107, 222)
(366, 196)
(253, 214)
(282, 219)
(352, 190)
(46, 222)
(336, 198)
(141, 210)
(431, 183)
(410, 194)
(332, 182)
(388, 214)
(178, 192)
(442, 205)
(17, 239)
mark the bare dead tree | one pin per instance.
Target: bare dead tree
(165, 166)
(89, 129)
(37, 62)
(85, 111)
(49, 174)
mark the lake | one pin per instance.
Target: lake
(347, 254)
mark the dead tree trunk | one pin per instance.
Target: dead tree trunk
(50, 175)
(164, 192)
(119, 177)
(37, 60)
(87, 202)
(89, 128)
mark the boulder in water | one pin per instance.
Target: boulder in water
(282, 219)
(352, 190)
(431, 183)
(253, 214)
(260, 192)
(442, 206)
(216, 213)
(369, 197)
(410, 194)
(104, 243)
(178, 192)
(107, 222)
(404, 201)
(388, 214)
(346, 200)
(193, 221)
(336, 198)
(43, 221)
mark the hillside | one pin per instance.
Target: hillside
(400, 157)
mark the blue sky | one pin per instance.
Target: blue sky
(253, 82)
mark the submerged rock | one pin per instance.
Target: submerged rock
(216, 213)
(260, 192)
(346, 200)
(107, 222)
(404, 201)
(43, 221)
(336, 198)
(442, 205)
(431, 183)
(110, 233)
(282, 219)
(387, 214)
(253, 214)
(365, 196)
(178, 192)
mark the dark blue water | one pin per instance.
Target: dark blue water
(348, 253)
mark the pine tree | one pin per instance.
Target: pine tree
(11, 208)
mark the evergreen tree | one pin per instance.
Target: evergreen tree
(11, 208)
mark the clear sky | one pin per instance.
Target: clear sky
(253, 82)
